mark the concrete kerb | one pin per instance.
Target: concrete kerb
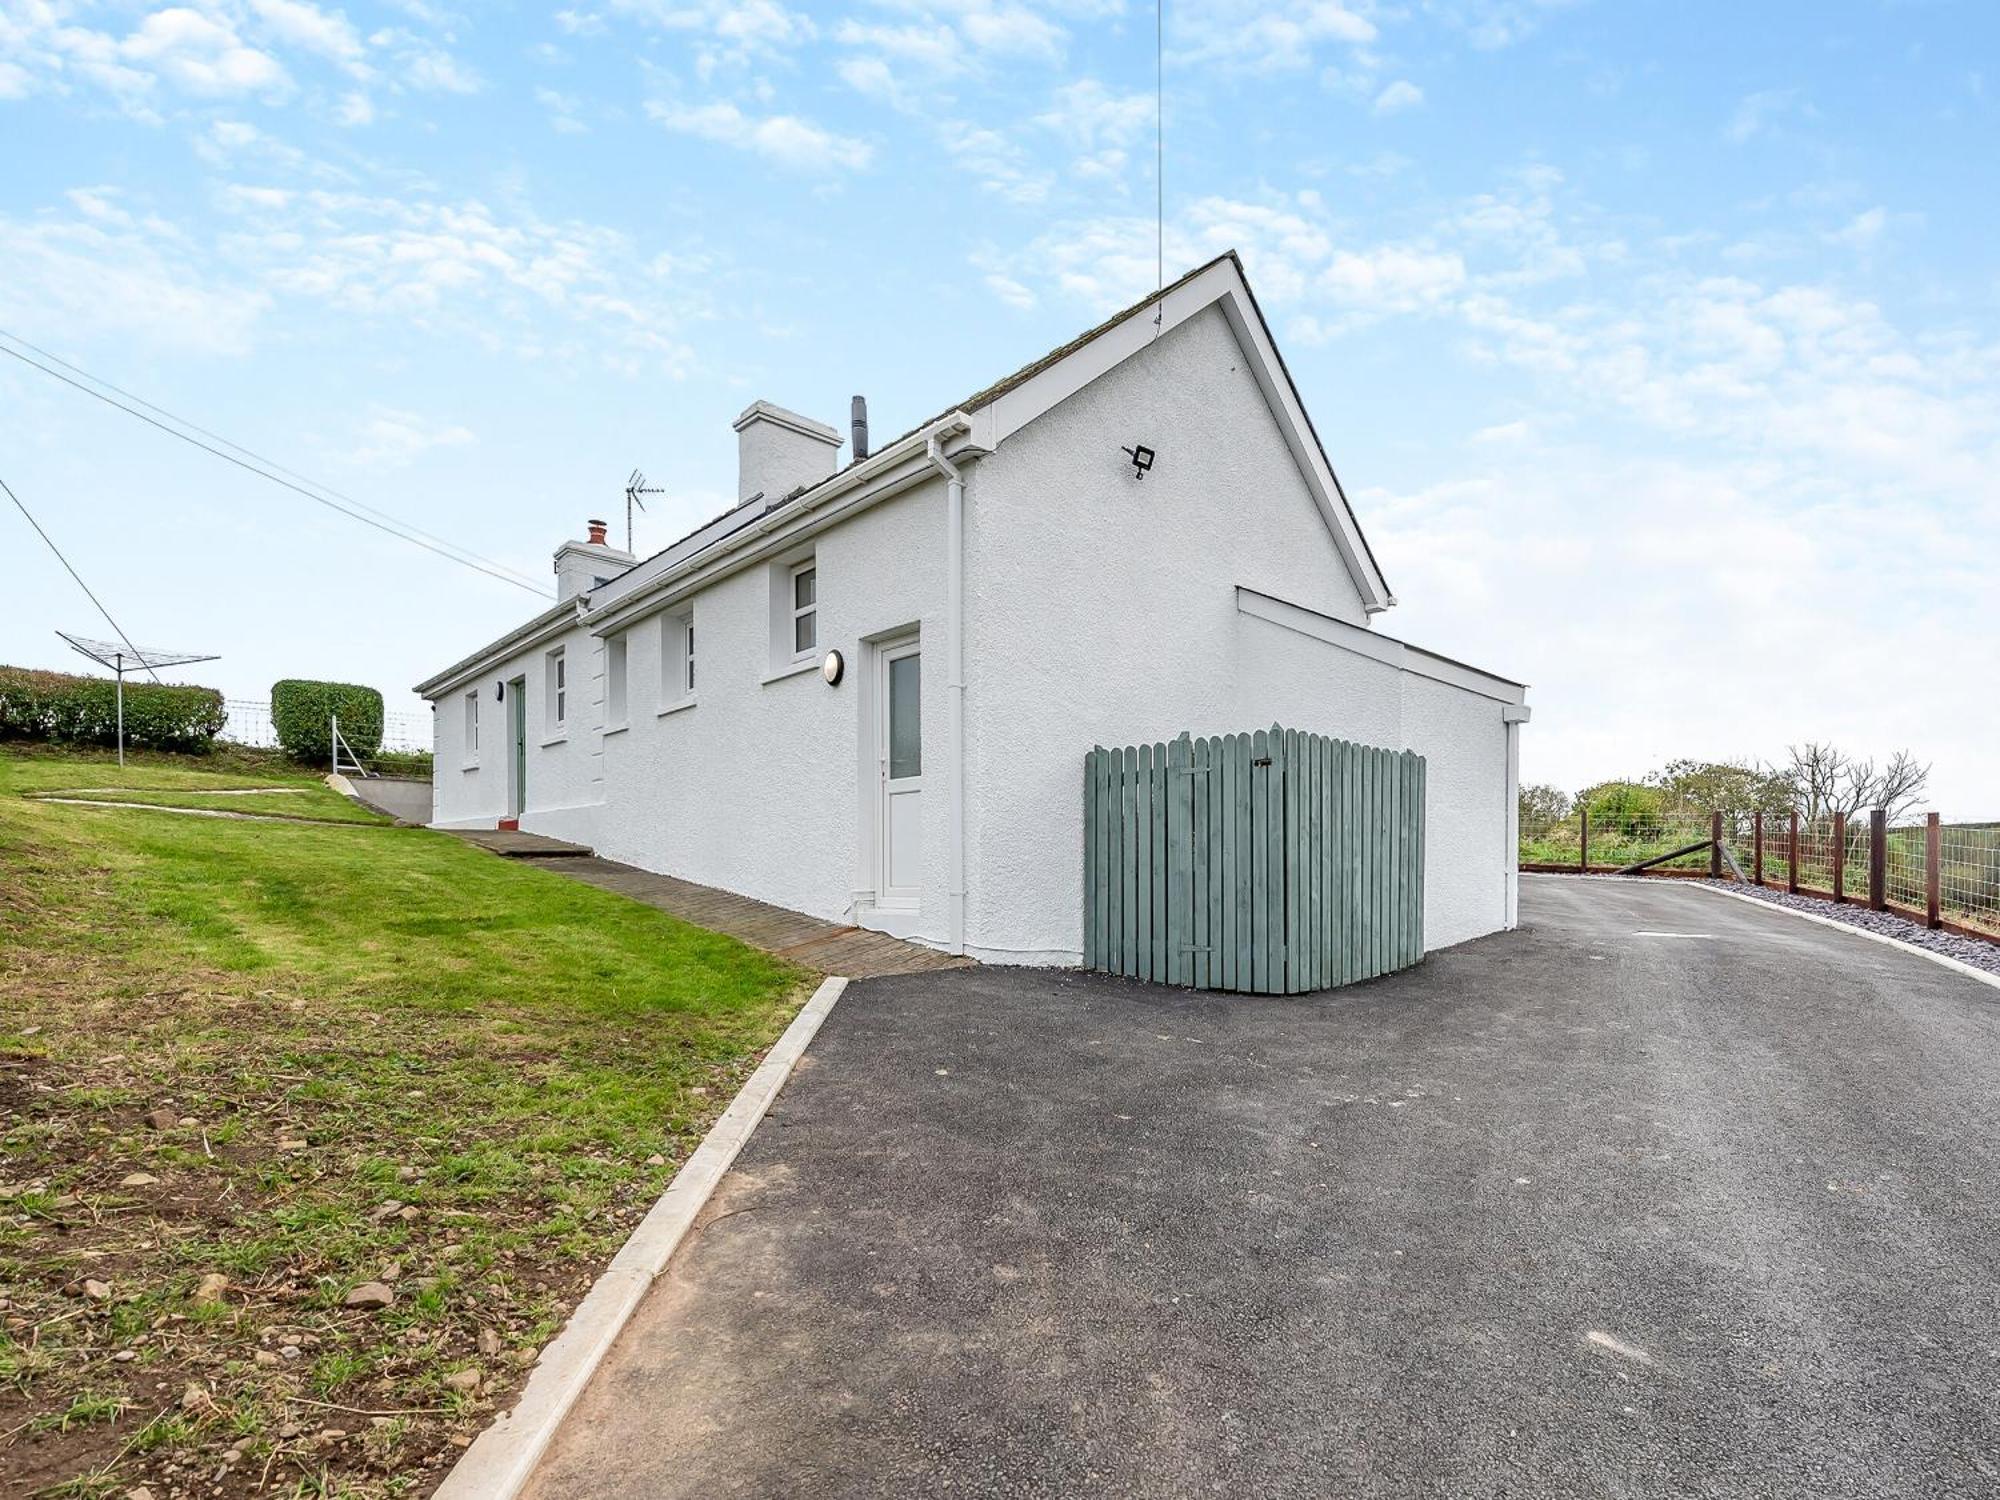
(1949, 962)
(502, 1459)
(1862, 932)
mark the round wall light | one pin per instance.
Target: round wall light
(833, 668)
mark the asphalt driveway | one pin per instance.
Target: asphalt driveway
(1585, 1209)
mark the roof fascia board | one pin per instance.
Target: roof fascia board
(780, 529)
(1221, 283)
(1382, 648)
(549, 623)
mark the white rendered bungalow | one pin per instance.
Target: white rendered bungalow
(866, 692)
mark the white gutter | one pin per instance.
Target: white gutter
(954, 685)
(641, 593)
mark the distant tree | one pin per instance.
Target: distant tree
(1630, 808)
(1825, 780)
(1542, 807)
(1736, 789)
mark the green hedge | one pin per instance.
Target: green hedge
(302, 712)
(84, 711)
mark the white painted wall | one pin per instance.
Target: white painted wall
(1102, 610)
(1099, 610)
(565, 770)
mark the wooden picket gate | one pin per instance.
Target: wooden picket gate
(1274, 862)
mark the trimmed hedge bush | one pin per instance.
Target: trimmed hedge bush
(302, 712)
(84, 711)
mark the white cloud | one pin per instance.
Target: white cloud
(328, 33)
(563, 111)
(394, 439)
(784, 139)
(355, 109)
(1260, 35)
(112, 271)
(1757, 113)
(1002, 167)
(434, 70)
(199, 52)
(1397, 97)
(1091, 117)
(1014, 31)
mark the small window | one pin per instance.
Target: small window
(676, 659)
(472, 726)
(558, 691)
(614, 681)
(805, 609)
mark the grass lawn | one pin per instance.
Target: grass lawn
(248, 1067)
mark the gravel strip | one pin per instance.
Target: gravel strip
(1974, 951)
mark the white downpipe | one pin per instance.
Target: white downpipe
(1513, 715)
(954, 684)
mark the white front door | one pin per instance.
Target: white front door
(899, 841)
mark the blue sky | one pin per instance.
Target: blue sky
(1657, 344)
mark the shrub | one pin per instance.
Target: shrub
(84, 711)
(1624, 807)
(302, 712)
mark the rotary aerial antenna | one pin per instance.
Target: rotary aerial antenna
(635, 486)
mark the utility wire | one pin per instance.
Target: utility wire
(271, 463)
(265, 469)
(139, 655)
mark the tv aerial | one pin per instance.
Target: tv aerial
(635, 486)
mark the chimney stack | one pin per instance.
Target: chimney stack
(778, 451)
(583, 566)
(858, 427)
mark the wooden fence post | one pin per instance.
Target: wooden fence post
(1933, 871)
(1839, 858)
(1878, 859)
(1792, 855)
(1715, 846)
(1583, 840)
(1757, 848)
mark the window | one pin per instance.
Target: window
(472, 725)
(676, 660)
(614, 682)
(557, 675)
(805, 608)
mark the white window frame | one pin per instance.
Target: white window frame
(796, 611)
(471, 728)
(555, 676)
(677, 661)
(617, 681)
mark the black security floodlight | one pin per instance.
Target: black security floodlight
(1142, 459)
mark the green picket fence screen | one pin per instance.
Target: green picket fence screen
(1272, 863)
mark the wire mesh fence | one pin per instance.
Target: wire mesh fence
(1618, 843)
(1939, 873)
(1969, 873)
(248, 722)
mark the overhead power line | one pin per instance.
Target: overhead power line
(23, 509)
(264, 468)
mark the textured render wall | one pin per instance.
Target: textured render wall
(757, 788)
(565, 774)
(1467, 858)
(1460, 735)
(1102, 610)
